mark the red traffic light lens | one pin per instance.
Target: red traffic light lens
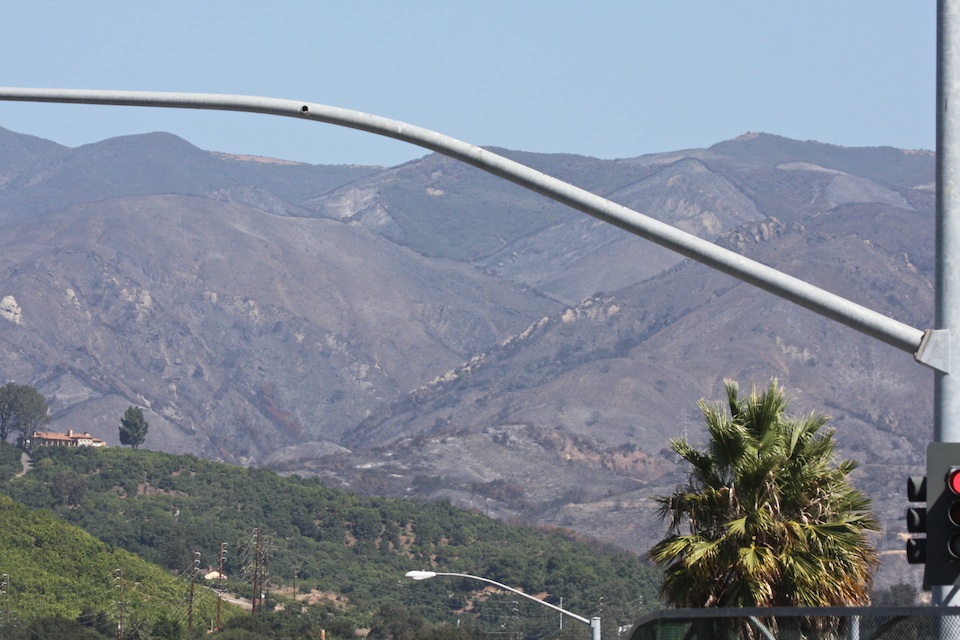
(953, 480)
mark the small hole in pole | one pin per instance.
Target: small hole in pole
(304, 108)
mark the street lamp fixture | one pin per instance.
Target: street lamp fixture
(593, 623)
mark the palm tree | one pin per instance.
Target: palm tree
(771, 520)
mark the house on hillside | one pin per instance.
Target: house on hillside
(53, 439)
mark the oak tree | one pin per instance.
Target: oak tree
(23, 409)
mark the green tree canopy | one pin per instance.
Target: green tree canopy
(133, 428)
(22, 408)
(771, 519)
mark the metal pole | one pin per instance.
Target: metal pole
(223, 551)
(948, 223)
(256, 576)
(853, 633)
(5, 584)
(193, 584)
(122, 604)
(947, 380)
(860, 318)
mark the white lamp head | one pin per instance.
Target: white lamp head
(420, 575)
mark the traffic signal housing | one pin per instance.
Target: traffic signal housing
(917, 519)
(942, 548)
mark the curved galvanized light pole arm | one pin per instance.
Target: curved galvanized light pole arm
(872, 323)
(594, 623)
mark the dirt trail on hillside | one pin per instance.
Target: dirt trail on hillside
(26, 463)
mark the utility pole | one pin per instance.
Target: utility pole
(193, 583)
(223, 554)
(265, 573)
(5, 590)
(121, 604)
(255, 600)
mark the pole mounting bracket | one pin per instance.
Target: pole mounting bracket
(934, 350)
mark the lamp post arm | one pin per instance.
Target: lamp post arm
(820, 301)
(519, 593)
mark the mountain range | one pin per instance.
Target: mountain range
(430, 331)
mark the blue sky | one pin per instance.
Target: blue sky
(606, 79)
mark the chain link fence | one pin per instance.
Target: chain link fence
(788, 623)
